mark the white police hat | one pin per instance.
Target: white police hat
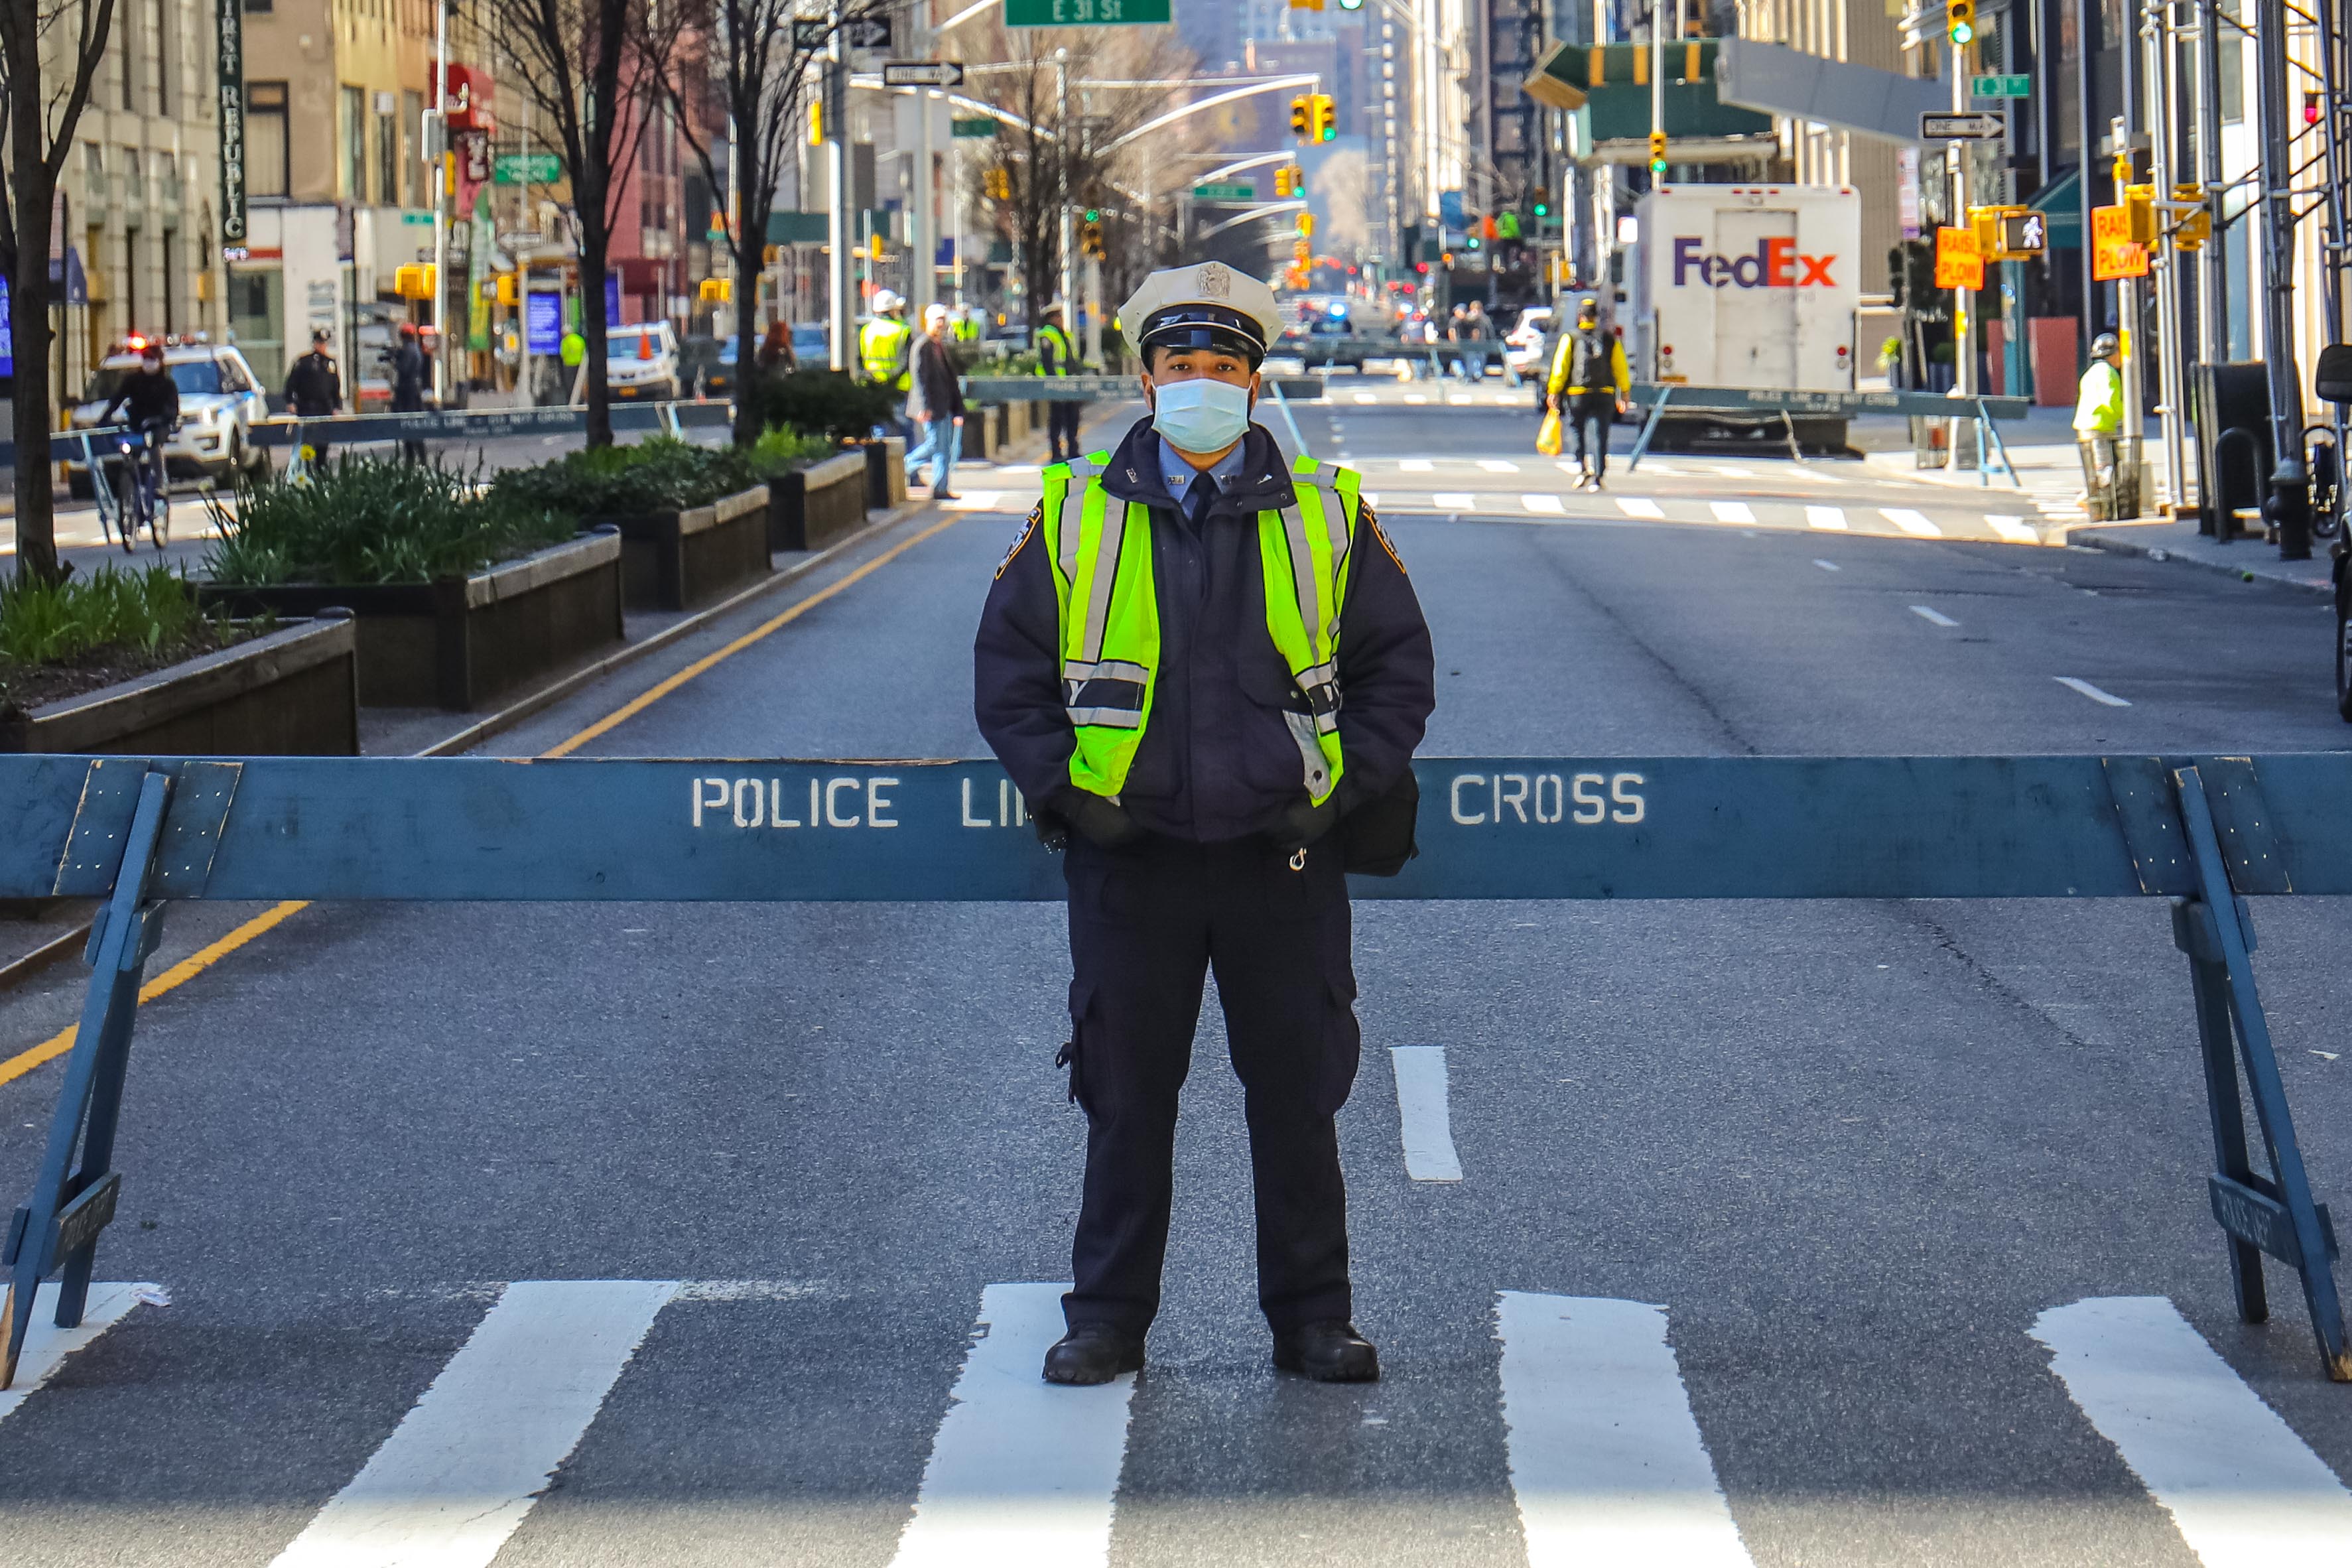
(1198, 304)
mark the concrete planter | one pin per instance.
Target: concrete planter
(670, 560)
(460, 641)
(981, 431)
(885, 472)
(809, 507)
(293, 693)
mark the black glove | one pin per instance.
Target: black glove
(1304, 821)
(1100, 822)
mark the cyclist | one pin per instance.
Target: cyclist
(153, 400)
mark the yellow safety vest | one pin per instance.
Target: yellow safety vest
(1066, 354)
(882, 346)
(1101, 557)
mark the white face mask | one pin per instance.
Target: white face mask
(1200, 414)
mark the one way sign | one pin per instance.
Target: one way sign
(923, 73)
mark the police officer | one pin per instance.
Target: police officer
(1057, 356)
(1215, 755)
(885, 349)
(314, 389)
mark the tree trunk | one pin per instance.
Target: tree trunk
(595, 243)
(29, 329)
(751, 248)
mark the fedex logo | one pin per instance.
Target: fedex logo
(1776, 264)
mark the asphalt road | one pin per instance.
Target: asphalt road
(1792, 1234)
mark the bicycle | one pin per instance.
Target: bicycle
(138, 492)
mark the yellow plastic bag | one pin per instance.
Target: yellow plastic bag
(1548, 438)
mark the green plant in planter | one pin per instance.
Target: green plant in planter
(781, 448)
(658, 475)
(363, 520)
(827, 401)
(50, 623)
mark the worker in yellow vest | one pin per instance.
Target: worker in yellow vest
(1206, 672)
(884, 352)
(1056, 355)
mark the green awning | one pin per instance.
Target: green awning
(2062, 200)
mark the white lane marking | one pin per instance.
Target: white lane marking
(2077, 684)
(1366, 397)
(1453, 500)
(1426, 1122)
(1827, 516)
(1023, 1473)
(1795, 471)
(1636, 506)
(1910, 522)
(1417, 466)
(1937, 616)
(1548, 504)
(1827, 565)
(48, 1345)
(465, 1466)
(1606, 1459)
(1458, 399)
(1414, 398)
(1497, 466)
(2012, 529)
(2243, 1490)
(1728, 472)
(975, 500)
(1731, 511)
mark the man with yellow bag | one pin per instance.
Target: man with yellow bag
(1589, 380)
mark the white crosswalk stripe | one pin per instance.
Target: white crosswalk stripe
(1548, 505)
(1022, 1474)
(1826, 517)
(1607, 1463)
(1497, 466)
(1416, 466)
(2014, 529)
(47, 1346)
(1731, 511)
(1910, 522)
(1636, 506)
(1453, 500)
(1423, 1115)
(463, 1468)
(2243, 1490)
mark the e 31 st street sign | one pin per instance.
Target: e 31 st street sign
(1083, 13)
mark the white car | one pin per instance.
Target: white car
(1523, 345)
(640, 362)
(219, 401)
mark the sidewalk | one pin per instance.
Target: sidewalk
(2040, 449)
(2248, 560)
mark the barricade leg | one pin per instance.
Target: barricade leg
(1649, 429)
(2192, 933)
(63, 1218)
(2278, 1214)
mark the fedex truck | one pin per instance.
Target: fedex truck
(1747, 286)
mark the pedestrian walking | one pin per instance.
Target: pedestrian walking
(775, 356)
(409, 373)
(935, 403)
(1056, 355)
(2098, 418)
(1589, 383)
(1181, 729)
(314, 390)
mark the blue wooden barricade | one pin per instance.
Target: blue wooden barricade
(2203, 832)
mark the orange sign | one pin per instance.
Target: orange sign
(2113, 253)
(1958, 263)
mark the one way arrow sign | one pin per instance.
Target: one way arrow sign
(923, 73)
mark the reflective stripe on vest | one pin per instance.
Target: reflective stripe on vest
(1109, 609)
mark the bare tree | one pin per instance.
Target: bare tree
(40, 125)
(752, 67)
(595, 68)
(1039, 154)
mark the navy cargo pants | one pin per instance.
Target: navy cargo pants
(1146, 923)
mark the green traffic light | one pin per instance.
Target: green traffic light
(1094, 215)
(1542, 211)
(1657, 165)
(1962, 32)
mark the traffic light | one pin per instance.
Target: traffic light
(1282, 182)
(1657, 152)
(2311, 109)
(1960, 20)
(1305, 225)
(1326, 118)
(415, 281)
(1091, 238)
(2139, 214)
(717, 292)
(1299, 117)
(1301, 253)
(998, 184)
(1542, 202)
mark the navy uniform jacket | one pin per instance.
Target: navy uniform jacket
(1217, 761)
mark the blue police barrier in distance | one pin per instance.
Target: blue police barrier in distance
(141, 833)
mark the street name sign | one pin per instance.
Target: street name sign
(1963, 125)
(978, 126)
(2000, 87)
(526, 169)
(1224, 192)
(1084, 13)
(923, 73)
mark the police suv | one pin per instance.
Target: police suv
(219, 401)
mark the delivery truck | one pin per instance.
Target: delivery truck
(1747, 286)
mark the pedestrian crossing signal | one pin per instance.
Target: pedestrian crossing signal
(1298, 117)
(1960, 20)
(998, 184)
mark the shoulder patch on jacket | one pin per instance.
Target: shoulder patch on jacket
(1364, 514)
(1037, 515)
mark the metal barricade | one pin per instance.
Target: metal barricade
(2204, 833)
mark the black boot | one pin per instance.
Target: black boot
(1328, 1351)
(1093, 1352)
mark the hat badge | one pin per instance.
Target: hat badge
(1215, 281)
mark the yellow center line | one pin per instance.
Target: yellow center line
(196, 962)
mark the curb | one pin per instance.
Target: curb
(2082, 536)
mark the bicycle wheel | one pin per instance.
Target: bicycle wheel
(159, 522)
(126, 507)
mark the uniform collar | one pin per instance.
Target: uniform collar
(1255, 480)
